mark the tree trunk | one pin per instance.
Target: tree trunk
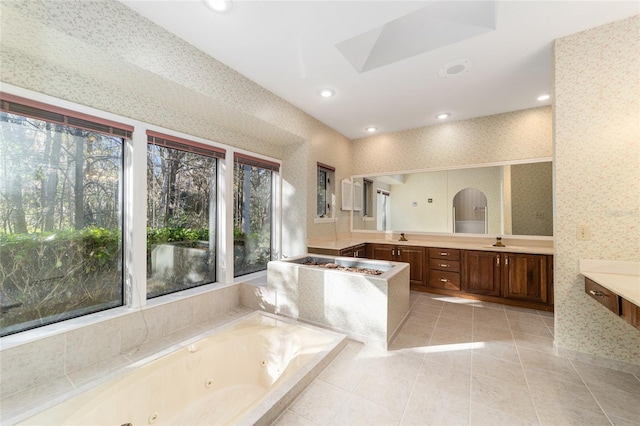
(78, 138)
(51, 181)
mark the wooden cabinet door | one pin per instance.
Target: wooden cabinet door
(415, 257)
(383, 252)
(481, 272)
(359, 251)
(524, 276)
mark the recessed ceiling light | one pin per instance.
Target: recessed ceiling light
(543, 97)
(371, 129)
(326, 93)
(443, 116)
(220, 6)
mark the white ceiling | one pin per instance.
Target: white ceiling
(290, 48)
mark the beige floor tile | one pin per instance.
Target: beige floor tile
(498, 369)
(480, 415)
(482, 333)
(535, 328)
(526, 315)
(511, 398)
(617, 402)
(397, 366)
(392, 394)
(418, 329)
(422, 318)
(289, 418)
(569, 415)
(488, 305)
(499, 350)
(407, 343)
(320, 402)
(431, 308)
(452, 381)
(549, 321)
(543, 379)
(623, 422)
(531, 341)
(606, 377)
(454, 325)
(347, 368)
(457, 311)
(443, 336)
(361, 411)
(436, 408)
(531, 358)
(451, 357)
(570, 401)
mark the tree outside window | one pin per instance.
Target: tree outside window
(181, 217)
(60, 221)
(252, 216)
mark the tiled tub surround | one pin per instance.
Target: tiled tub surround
(463, 362)
(368, 308)
(40, 364)
(244, 372)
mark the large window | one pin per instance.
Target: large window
(181, 214)
(252, 214)
(60, 214)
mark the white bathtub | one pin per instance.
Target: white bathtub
(245, 373)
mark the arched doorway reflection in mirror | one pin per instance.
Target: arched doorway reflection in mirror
(470, 214)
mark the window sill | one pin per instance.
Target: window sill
(325, 220)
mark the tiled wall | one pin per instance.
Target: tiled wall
(511, 136)
(44, 360)
(597, 179)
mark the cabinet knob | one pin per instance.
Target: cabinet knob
(498, 260)
(444, 254)
(443, 265)
(596, 293)
(444, 280)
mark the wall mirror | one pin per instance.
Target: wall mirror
(504, 199)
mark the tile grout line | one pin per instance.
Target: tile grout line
(590, 391)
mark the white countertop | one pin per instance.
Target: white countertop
(520, 248)
(622, 278)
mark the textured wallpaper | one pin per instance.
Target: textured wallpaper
(511, 136)
(129, 66)
(597, 179)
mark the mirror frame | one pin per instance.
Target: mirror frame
(447, 168)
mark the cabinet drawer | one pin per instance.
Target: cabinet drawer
(449, 254)
(442, 279)
(444, 265)
(602, 295)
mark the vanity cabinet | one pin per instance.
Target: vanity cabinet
(524, 277)
(509, 275)
(482, 272)
(443, 268)
(614, 302)
(414, 256)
